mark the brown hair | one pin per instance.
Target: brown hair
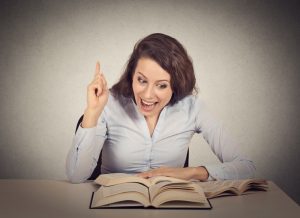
(170, 55)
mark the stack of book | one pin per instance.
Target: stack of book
(119, 190)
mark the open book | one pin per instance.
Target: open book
(214, 189)
(125, 190)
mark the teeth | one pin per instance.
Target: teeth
(147, 103)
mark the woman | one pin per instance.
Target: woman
(145, 122)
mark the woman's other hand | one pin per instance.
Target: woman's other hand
(198, 173)
(97, 96)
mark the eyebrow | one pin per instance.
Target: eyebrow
(162, 80)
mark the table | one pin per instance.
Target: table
(53, 198)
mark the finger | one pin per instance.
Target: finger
(96, 87)
(97, 69)
(100, 87)
(100, 70)
(99, 90)
(161, 171)
(144, 174)
(103, 80)
(92, 90)
(98, 79)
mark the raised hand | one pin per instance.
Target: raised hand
(97, 96)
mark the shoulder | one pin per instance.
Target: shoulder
(190, 103)
(117, 101)
(118, 106)
(187, 112)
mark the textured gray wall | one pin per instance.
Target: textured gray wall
(245, 53)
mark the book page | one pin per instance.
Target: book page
(185, 205)
(179, 195)
(253, 184)
(160, 187)
(125, 197)
(235, 187)
(215, 188)
(120, 189)
(118, 178)
(156, 179)
(124, 187)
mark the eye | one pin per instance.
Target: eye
(141, 80)
(162, 86)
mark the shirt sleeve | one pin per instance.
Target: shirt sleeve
(234, 164)
(85, 150)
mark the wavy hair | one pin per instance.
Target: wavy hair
(171, 56)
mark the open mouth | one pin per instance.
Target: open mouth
(148, 106)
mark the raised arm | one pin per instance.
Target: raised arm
(97, 96)
(91, 134)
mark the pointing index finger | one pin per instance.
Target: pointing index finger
(97, 70)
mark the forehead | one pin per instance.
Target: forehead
(151, 70)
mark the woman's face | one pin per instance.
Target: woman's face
(151, 87)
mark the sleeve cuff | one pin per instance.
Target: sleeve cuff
(215, 172)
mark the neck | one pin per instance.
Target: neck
(151, 122)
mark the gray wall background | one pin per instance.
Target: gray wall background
(245, 54)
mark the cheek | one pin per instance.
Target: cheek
(166, 96)
(136, 88)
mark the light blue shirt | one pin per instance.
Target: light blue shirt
(127, 146)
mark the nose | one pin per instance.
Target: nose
(149, 92)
